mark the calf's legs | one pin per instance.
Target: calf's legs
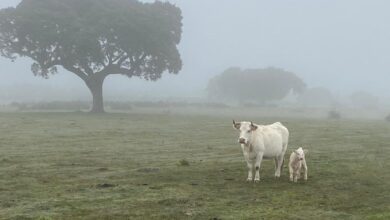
(297, 176)
(304, 166)
(291, 170)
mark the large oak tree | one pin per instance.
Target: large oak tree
(94, 39)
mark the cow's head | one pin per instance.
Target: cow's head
(300, 153)
(246, 130)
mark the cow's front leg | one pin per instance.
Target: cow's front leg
(259, 158)
(250, 171)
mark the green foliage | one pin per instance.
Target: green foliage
(88, 37)
(259, 85)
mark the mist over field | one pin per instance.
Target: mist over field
(341, 46)
(179, 109)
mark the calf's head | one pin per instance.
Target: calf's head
(246, 130)
(300, 153)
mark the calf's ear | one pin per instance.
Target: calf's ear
(236, 125)
(253, 127)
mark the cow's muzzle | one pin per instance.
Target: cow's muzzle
(242, 141)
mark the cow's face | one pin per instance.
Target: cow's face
(300, 153)
(246, 130)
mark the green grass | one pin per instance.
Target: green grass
(130, 166)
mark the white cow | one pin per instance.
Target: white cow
(297, 164)
(262, 141)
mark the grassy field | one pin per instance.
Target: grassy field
(132, 166)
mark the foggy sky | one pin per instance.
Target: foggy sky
(343, 45)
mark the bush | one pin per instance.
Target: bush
(184, 162)
(334, 115)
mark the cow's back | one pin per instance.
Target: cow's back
(283, 131)
(275, 139)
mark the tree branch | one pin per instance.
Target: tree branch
(75, 70)
(121, 58)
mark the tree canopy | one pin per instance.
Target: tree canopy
(93, 39)
(258, 85)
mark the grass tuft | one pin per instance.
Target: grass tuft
(184, 162)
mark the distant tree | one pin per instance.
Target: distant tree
(317, 97)
(335, 115)
(94, 39)
(362, 99)
(257, 85)
(387, 118)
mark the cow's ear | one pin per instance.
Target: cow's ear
(305, 151)
(253, 127)
(236, 125)
(296, 152)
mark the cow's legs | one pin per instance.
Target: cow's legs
(259, 158)
(276, 164)
(250, 171)
(279, 164)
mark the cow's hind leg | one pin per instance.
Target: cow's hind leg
(279, 163)
(276, 164)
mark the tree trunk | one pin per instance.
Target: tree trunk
(95, 85)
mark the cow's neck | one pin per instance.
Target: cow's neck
(248, 148)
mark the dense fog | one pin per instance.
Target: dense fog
(339, 49)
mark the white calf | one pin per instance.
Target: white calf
(297, 164)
